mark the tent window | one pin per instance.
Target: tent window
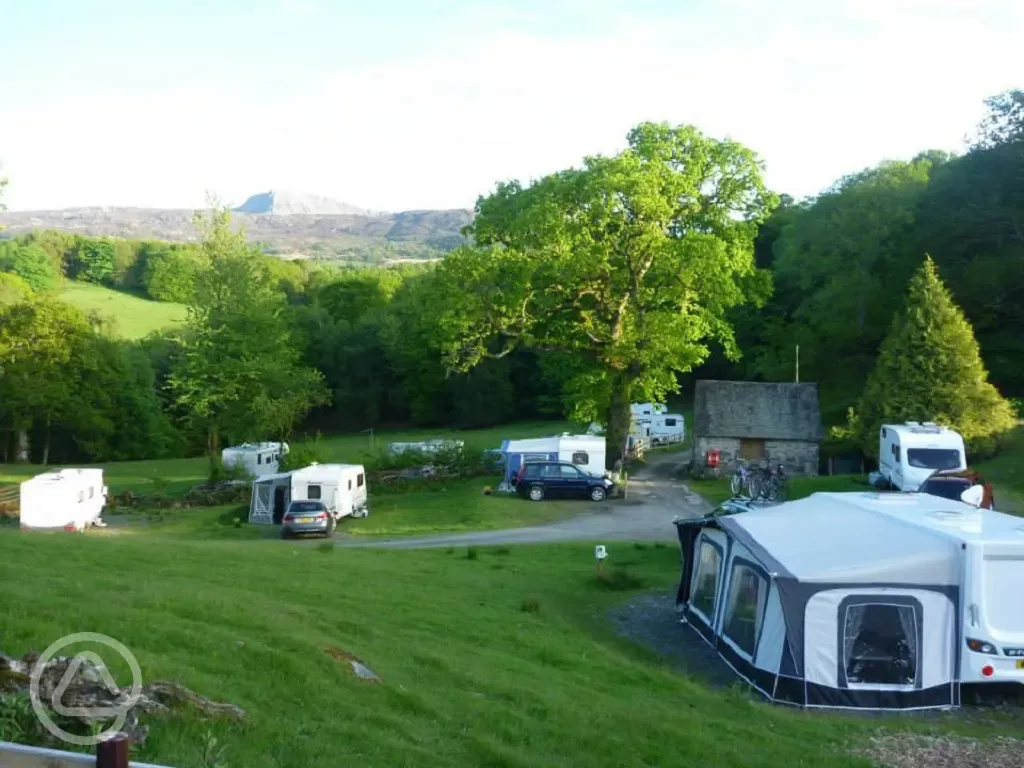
(881, 645)
(359, 480)
(752, 449)
(744, 611)
(580, 457)
(313, 491)
(706, 578)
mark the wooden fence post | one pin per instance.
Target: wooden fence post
(113, 752)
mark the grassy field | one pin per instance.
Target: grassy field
(490, 657)
(134, 316)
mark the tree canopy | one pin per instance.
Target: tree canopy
(627, 266)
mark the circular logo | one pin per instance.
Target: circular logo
(119, 713)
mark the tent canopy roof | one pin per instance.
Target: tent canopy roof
(866, 537)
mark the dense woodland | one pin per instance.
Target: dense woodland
(589, 288)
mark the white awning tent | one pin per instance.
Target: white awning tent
(847, 600)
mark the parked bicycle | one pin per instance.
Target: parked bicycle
(745, 479)
(776, 483)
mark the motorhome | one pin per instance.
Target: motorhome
(341, 487)
(67, 499)
(909, 453)
(255, 459)
(860, 600)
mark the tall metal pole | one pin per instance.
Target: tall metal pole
(797, 363)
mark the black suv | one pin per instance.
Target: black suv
(538, 480)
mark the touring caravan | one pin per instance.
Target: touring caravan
(341, 487)
(68, 499)
(645, 410)
(255, 458)
(859, 600)
(909, 453)
(585, 451)
(425, 447)
(661, 429)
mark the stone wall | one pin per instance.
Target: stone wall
(799, 457)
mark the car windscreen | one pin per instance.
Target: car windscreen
(933, 458)
(947, 487)
(305, 506)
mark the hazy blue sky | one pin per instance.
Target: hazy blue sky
(412, 104)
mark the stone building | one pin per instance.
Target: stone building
(757, 422)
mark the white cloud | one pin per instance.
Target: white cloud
(818, 95)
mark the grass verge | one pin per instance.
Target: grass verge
(490, 660)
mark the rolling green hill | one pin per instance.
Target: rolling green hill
(135, 316)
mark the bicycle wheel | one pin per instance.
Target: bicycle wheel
(735, 483)
(754, 486)
(772, 490)
(783, 489)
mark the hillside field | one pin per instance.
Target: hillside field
(134, 317)
(495, 657)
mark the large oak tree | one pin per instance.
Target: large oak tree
(625, 268)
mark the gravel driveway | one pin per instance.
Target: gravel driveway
(656, 495)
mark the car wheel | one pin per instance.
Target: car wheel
(597, 493)
(537, 493)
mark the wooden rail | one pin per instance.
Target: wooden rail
(112, 753)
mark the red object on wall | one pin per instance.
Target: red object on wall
(714, 457)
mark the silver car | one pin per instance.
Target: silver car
(305, 518)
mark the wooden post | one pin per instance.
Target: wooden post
(113, 752)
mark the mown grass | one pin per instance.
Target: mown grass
(133, 316)
(1006, 473)
(501, 659)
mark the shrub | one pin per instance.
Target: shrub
(471, 553)
(303, 455)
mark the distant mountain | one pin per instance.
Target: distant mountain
(350, 237)
(281, 203)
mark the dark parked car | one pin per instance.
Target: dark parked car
(539, 480)
(950, 484)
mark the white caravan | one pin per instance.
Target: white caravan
(68, 499)
(859, 600)
(585, 451)
(909, 453)
(341, 487)
(644, 410)
(661, 429)
(255, 458)
(426, 447)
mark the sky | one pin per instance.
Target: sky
(403, 104)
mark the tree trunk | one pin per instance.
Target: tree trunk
(46, 445)
(619, 418)
(213, 441)
(22, 452)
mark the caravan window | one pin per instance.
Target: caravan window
(934, 458)
(881, 644)
(581, 457)
(744, 610)
(359, 480)
(670, 422)
(706, 579)
(313, 491)
(259, 458)
(350, 483)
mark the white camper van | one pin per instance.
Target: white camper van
(662, 428)
(909, 453)
(255, 458)
(68, 499)
(341, 487)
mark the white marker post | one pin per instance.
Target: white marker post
(600, 554)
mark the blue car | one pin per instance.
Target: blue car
(539, 480)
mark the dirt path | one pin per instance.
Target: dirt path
(655, 497)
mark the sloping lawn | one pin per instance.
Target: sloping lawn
(1006, 473)
(135, 316)
(497, 659)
